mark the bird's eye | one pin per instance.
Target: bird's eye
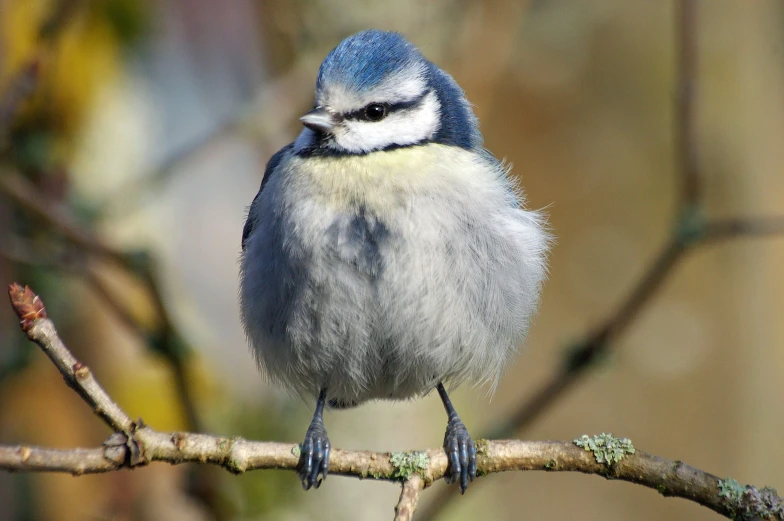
(375, 112)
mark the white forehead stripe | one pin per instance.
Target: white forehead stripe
(405, 85)
(405, 127)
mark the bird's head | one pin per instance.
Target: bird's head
(375, 91)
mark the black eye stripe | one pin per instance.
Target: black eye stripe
(390, 107)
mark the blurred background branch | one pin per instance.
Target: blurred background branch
(24, 81)
(688, 233)
(135, 444)
(163, 337)
(134, 133)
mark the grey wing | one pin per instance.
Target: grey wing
(272, 165)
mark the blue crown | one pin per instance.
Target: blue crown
(362, 61)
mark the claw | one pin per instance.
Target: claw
(472, 462)
(460, 448)
(324, 467)
(314, 451)
(462, 454)
(463, 464)
(314, 457)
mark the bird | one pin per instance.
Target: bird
(387, 253)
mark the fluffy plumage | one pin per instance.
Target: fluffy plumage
(379, 276)
(386, 256)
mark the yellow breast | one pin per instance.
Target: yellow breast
(385, 180)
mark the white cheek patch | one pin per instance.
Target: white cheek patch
(405, 127)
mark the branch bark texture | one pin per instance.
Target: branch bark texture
(409, 498)
(134, 444)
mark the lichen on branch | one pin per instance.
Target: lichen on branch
(135, 444)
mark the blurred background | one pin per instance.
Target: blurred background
(134, 133)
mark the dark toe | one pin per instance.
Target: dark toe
(461, 453)
(314, 458)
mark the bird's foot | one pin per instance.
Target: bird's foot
(461, 452)
(314, 456)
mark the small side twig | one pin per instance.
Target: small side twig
(38, 328)
(655, 276)
(409, 498)
(685, 121)
(690, 232)
(135, 444)
(165, 338)
(725, 229)
(24, 195)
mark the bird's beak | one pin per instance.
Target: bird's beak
(319, 120)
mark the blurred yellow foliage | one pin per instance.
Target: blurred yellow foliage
(84, 54)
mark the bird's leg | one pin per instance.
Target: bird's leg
(314, 452)
(459, 446)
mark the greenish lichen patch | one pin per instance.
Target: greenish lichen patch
(227, 444)
(746, 502)
(296, 450)
(606, 448)
(407, 463)
(234, 466)
(731, 490)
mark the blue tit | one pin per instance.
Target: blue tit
(387, 253)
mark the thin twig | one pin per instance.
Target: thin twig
(595, 345)
(686, 45)
(38, 328)
(599, 342)
(661, 268)
(409, 498)
(750, 227)
(20, 251)
(689, 233)
(165, 339)
(24, 194)
(134, 444)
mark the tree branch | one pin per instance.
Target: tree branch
(409, 498)
(38, 328)
(752, 227)
(165, 338)
(690, 232)
(134, 444)
(686, 45)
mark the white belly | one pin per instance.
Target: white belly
(376, 279)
